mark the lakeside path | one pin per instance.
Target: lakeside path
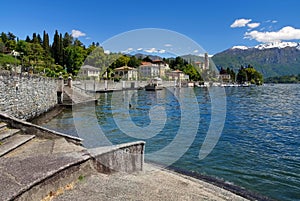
(150, 184)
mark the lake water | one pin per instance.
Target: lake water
(258, 149)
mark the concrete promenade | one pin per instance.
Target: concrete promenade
(150, 184)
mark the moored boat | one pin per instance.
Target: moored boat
(154, 85)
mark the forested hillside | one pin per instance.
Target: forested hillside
(270, 62)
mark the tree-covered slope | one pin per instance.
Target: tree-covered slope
(270, 62)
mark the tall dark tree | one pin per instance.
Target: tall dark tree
(11, 36)
(39, 39)
(28, 40)
(61, 51)
(67, 40)
(147, 59)
(56, 47)
(34, 38)
(77, 42)
(46, 42)
(134, 62)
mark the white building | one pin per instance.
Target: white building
(177, 75)
(126, 72)
(89, 71)
(155, 69)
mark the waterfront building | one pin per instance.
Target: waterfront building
(88, 71)
(156, 68)
(200, 64)
(224, 77)
(126, 73)
(177, 75)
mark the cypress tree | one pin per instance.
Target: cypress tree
(34, 38)
(46, 42)
(56, 47)
(46, 47)
(39, 39)
(28, 40)
(61, 51)
(67, 40)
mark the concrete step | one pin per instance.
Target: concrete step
(2, 126)
(6, 133)
(32, 178)
(14, 142)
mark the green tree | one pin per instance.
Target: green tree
(75, 56)
(4, 37)
(56, 48)
(2, 46)
(249, 74)
(134, 62)
(67, 40)
(193, 74)
(46, 42)
(11, 36)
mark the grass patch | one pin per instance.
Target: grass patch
(80, 178)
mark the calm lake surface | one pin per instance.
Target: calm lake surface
(259, 147)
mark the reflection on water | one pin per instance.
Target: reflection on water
(259, 148)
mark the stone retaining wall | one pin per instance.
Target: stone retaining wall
(28, 96)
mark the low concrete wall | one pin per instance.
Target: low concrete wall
(26, 97)
(57, 181)
(39, 131)
(128, 157)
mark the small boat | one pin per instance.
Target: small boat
(154, 85)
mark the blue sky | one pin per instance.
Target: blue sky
(209, 23)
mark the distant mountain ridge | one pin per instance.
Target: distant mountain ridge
(271, 59)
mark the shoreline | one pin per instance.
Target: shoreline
(238, 190)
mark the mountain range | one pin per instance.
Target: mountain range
(271, 59)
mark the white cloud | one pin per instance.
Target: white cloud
(253, 25)
(154, 50)
(77, 33)
(168, 45)
(196, 51)
(130, 49)
(240, 23)
(286, 33)
(151, 50)
(274, 21)
(106, 51)
(139, 49)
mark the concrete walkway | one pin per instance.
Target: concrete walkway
(76, 96)
(151, 184)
